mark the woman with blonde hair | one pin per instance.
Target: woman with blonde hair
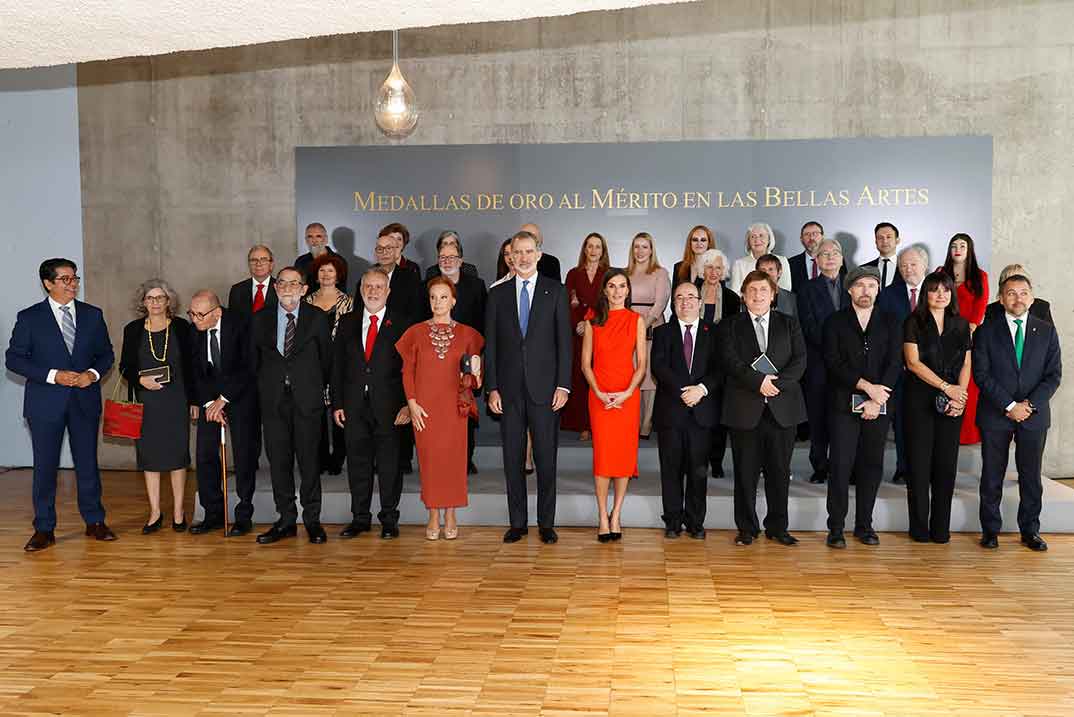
(651, 291)
(759, 241)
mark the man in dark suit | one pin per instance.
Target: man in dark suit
(528, 370)
(899, 300)
(761, 410)
(401, 235)
(1039, 308)
(225, 389)
(369, 403)
(317, 241)
(61, 347)
(547, 265)
(249, 296)
(818, 299)
(805, 266)
(886, 235)
(863, 357)
(446, 238)
(685, 366)
(292, 357)
(1017, 366)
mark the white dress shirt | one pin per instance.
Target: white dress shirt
(694, 325)
(254, 283)
(892, 270)
(518, 290)
(366, 322)
(57, 312)
(1013, 327)
(209, 350)
(767, 316)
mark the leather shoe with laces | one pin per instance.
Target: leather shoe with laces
(389, 531)
(672, 533)
(206, 526)
(513, 535)
(744, 539)
(276, 533)
(1034, 542)
(836, 540)
(548, 536)
(240, 528)
(354, 529)
(40, 540)
(100, 531)
(316, 533)
(696, 533)
(867, 537)
(989, 540)
(782, 538)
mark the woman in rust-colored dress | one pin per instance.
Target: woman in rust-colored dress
(614, 359)
(583, 289)
(440, 397)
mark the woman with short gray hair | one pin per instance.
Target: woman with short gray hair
(759, 241)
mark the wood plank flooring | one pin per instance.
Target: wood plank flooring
(181, 625)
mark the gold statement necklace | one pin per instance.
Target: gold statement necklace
(167, 333)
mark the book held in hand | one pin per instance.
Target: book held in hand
(163, 374)
(762, 364)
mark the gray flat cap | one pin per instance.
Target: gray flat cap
(861, 272)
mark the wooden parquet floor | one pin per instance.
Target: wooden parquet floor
(181, 625)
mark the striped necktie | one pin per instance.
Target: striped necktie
(68, 329)
(289, 336)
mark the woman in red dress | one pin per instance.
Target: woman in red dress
(614, 358)
(440, 397)
(583, 288)
(972, 288)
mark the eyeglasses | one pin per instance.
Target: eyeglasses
(383, 249)
(198, 316)
(157, 299)
(260, 260)
(449, 259)
(287, 284)
(68, 280)
(829, 255)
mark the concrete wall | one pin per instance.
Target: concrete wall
(39, 207)
(187, 159)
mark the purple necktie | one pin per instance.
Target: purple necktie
(688, 348)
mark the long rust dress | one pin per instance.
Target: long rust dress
(615, 431)
(576, 414)
(434, 382)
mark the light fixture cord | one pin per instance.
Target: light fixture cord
(395, 47)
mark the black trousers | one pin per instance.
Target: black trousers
(766, 447)
(857, 449)
(1028, 453)
(292, 436)
(932, 453)
(717, 448)
(373, 447)
(333, 449)
(902, 464)
(520, 415)
(816, 398)
(242, 432)
(684, 454)
(471, 429)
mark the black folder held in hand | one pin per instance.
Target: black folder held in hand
(857, 404)
(762, 364)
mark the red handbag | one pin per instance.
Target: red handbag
(122, 419)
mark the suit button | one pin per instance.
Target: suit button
(368, 370)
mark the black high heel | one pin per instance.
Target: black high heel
(154, 526)
(179, 527)
(613, 535)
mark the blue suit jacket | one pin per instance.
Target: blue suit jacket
(37, 347)
(895, 301)
(814, 308)
(1001, 381)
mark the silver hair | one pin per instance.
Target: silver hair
(709, 256)
(833, 242)
(920, 251)
(771, 237)
(145, 287)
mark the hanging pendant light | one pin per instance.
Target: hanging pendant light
(396, 110)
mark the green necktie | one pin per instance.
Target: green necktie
(1019, 342)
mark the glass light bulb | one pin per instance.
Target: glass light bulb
(396, 110)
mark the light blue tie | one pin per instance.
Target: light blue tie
(68, 329)
(524, 307)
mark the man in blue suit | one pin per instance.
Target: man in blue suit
(899, 299)
(1017, 366)
(61, 347)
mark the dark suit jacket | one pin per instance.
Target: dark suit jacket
(234, 379)
(1001, 381)
(730, 303)
(851, 354)
(814, 307)
(382, 377)
(548, 265)
(786, 303)
(308, 366)
(240, 300)
(37, 347)
(407, 295)
(469, 302)
(895, 301)
(799, 277)
(743, 403)
(1039, 308)
(893, 266)
(134, 337)
(534, 366)
(668, 363)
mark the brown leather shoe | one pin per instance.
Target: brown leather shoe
(40, 540)
(100, 531)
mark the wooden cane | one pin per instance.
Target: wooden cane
(223, 470)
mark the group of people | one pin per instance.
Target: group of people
(758, 355)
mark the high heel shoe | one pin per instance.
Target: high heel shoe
(614, 535)
(180, 527)
(432, 534)
(451, 533)
(154, 526)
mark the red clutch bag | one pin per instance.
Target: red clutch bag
(122, 419)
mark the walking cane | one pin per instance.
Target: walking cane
(223, 470)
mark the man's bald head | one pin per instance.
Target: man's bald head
(535, 231)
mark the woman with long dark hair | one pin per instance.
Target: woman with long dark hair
(971, 284)
(614, 359)
(698, 240)
(936, 346)
(583, 289)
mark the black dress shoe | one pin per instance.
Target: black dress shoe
(1034, 542)
(316, 533)
(782, 538)
(471, 469)
(941, 539)
(548, 535)
(276, 533)
(40, 540)
(99, 531)
(607, 537)
(921, 538)
(672, 533)
(899, 479)
(389, 532)
(867, 537)
(206, 526)
(354, 529)
(513, 535)
(179, 527)
(744, 539)
(697, 533)
(240, 528)
(818, 477)
(836, 540)
(988, 540)
(153, 527)
(408, 468)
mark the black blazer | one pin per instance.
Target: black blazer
(743, 403)
(668, 365)
(382, 377)
(1002, 381)
(536, 365)
(407, 296)
(133, 336)
(799, 277)
(815, 306)
(308, 366)
(895, 301)
(851, 354)
(471, 297)
(240, 299)
(234, 379)
(730, 303)
(1039, 308)
(893, 266)
(548, 265)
